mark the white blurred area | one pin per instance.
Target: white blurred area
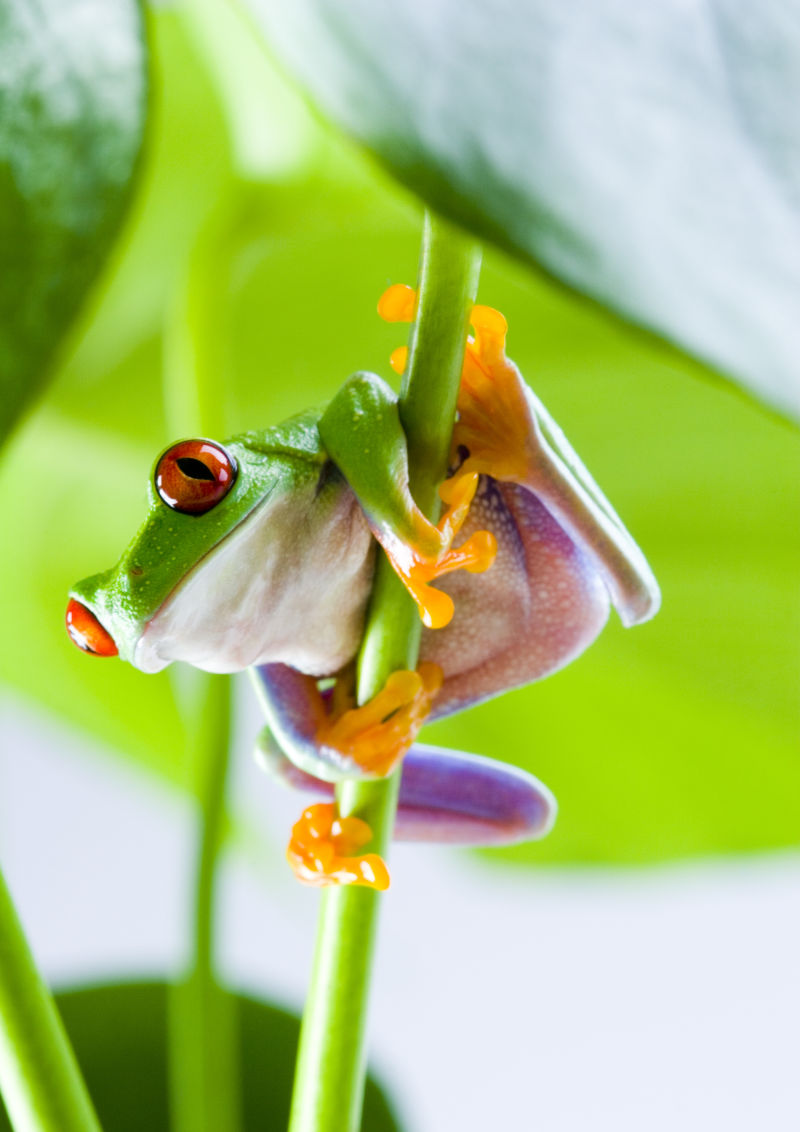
(570, 1000)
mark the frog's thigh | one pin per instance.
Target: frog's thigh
(462, 799)
(274, 761)
(540, 605)
(448, 796)
(294, 710)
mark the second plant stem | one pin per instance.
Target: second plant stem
(331, 1064)
(41, 1084)
(204, 1071)
(203, 1021)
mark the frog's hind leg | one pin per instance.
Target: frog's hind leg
(446, 796)
(510, 436)
(462, 799)
(329, 737)
(323, 850)
(542, 607)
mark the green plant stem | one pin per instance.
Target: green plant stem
(40, 1080)
(331, 1064)
(204, 1069)
(203, 1035)
(216, 722)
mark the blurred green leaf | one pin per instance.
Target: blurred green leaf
(73, 82)
(644, 155)
(119, 1035)
(55, 478)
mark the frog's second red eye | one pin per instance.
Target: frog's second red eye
(193, 476)
(87, 632)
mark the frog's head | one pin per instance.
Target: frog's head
(198, 494)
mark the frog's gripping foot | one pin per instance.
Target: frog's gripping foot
(476, 554)
(378, 734)
(493, 425)
(494, 420)
(323, 850)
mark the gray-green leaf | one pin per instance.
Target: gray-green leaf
(647, 155)
(72, 111)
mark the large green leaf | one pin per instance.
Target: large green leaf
(73, 89)
(645, 154)
(119, 1034)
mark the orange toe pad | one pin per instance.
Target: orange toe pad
(323, 850)
(494, 418)
(476, 554)
(378, 734)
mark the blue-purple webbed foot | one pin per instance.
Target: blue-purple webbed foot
(446, 796)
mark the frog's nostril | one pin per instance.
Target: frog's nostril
(87, 632)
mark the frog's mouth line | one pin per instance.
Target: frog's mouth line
(176, 589)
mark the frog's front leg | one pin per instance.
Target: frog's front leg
(362, 433)
(326, 736)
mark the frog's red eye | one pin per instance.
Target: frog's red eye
(193, 476)
(87, 632)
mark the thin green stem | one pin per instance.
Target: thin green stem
(40, 1080)
(216, 723)
(204, 1069)
(331, 1064)
(204, 1064)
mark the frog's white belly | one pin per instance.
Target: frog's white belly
(289, 585)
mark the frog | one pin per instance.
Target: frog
(258, 553)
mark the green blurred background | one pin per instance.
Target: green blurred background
(675, 739)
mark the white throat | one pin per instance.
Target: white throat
(289, 585)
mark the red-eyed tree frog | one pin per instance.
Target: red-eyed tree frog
(259, 554)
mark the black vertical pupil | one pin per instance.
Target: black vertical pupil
(194, 469)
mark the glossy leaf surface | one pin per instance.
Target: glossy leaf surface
(647, 156)
(73, 84)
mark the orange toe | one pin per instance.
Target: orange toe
(494, 420)
(398, 303)
(323, 848)
(376, 735)
(476, 554)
